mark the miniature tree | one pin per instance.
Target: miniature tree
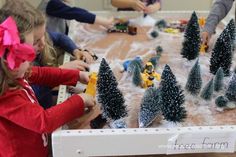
(154, 34)
(222, 54)
(134, 63)
(218, 80)
(137, 79)
(172, 97)
(221, 101)
(207, 91)
(150, 107)
(194, 82)
(118, 124)
(231, 91)
(191, 43)
(161, 24)
(109, 96)
(231, 28)
(159, 51)
(154, 61)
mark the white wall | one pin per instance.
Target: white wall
(33, 2)
(2, 2)
(166, 4)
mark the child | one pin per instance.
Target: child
(47, 55)
(24, 124)
(58, 12)
(219, 10)
(147, 6)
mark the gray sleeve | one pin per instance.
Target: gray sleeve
(218, 11)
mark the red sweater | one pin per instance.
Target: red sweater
(24, 124)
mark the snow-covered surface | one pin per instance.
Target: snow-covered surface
(118, 47)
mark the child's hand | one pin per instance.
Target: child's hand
(83, 55)
(205, 37)
(83, 77)
(76, 64)
(106, 22)
(89, 101)
(138, 5)
(152, 8)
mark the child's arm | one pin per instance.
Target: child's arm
(64, 42)
(33, 117)
(57, 8)
(153, 8)
(135, 4)
(219, 10)
(52, 76)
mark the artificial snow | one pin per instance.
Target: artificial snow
(119, 47)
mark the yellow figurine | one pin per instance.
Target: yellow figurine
(91, 87)
(171, 30)
(203, 48)
(202, 21)
(149, 75)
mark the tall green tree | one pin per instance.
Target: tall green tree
(222, 53)
(192, 40)
(231, 28)
(172, 97)
(150, 107)
(194, 82)
(109, 96)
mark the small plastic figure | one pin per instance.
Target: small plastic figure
(203, 48)
(91, 87)
(149, 75)
(202, 21)
(171, 30)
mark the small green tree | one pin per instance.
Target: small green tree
(150, 107)
(194, 82)
(207, 91)
(219, 80)
(192, 40)
(172, 97)
(231, 90)
(154, 34)
(137, 79)
(154, 61)
(221, 101)
(134, 63)
(109, 96)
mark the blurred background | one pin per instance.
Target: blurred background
(167, 5)
(96, 5)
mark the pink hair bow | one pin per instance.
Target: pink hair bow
(17, 52)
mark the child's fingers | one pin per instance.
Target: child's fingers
(88, 57)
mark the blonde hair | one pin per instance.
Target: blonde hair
(48, 57)
(24, 26)
(24, 8)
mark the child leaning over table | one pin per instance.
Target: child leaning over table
(24, 124)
